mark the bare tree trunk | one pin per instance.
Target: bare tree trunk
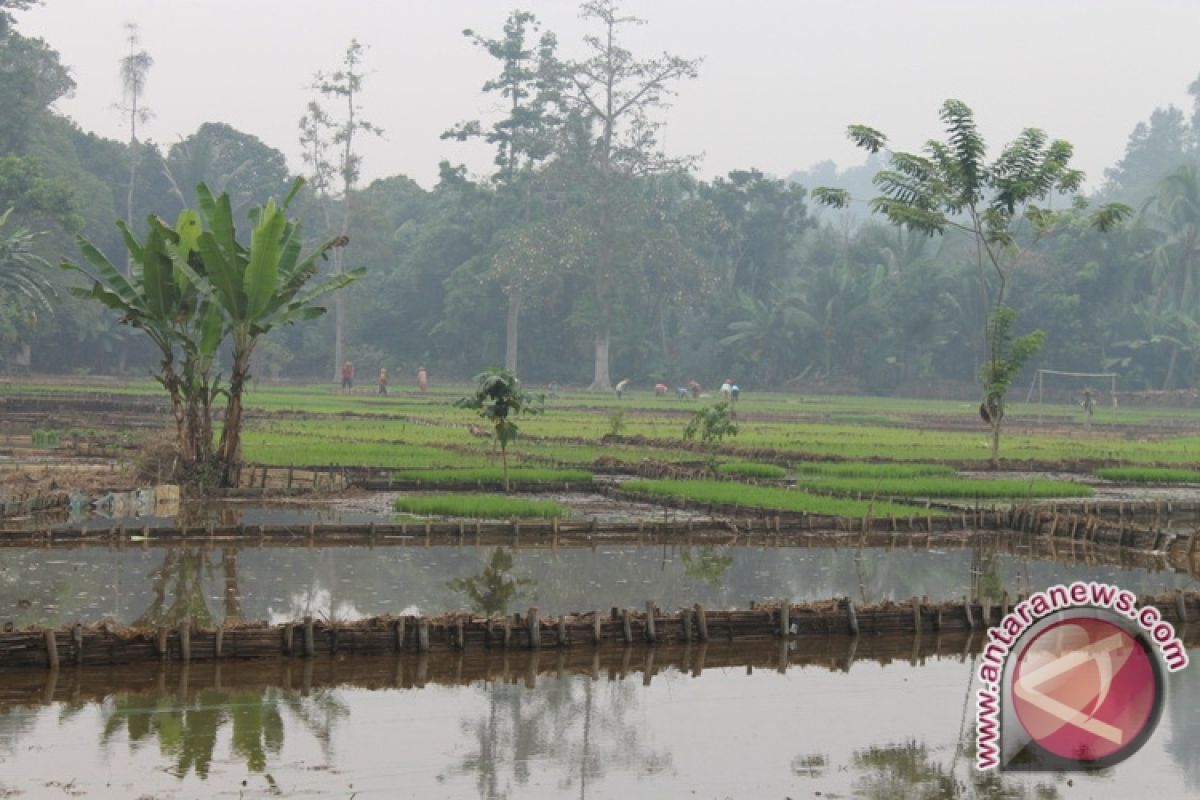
(1169, 380)
(511, 330)
(997, 421)
(339, 316)
(504, 465)
(601, 382)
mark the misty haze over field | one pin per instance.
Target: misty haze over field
(508, 213)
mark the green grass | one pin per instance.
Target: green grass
(773, 498)
(748, 469)
(859, 469)
(479, 506)
(1149, 475)
(516, 475)
(935, 487)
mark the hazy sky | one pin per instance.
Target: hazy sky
(780, 81)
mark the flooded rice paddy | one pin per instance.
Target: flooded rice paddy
(164, 585)
(412, 727)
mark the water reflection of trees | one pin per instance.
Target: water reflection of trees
(576, 726)
(1183, 715)
(177, 588)
(186, 731)
(494, 589)
(706, 564)
(909, 771)
(187, 726)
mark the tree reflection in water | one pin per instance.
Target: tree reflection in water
(177, 588)
(494, 589)
(907, 771)
(580, 725)
(187, 728)
(1183, 714)
(706, 565)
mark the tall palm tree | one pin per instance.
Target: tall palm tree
(1174, 214)
(768, 334)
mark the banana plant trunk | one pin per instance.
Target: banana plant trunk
(231, 432)
(183, 439)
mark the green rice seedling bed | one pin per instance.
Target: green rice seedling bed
(725, 492)
(289, 450)
(860, 469)
(749, 469)
(1149, 475)
(516, 475)
(479, 506)
(586, 454)
(938, 487)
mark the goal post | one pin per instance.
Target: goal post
(1081, 380)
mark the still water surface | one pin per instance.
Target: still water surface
(162, 586)
(879, 729)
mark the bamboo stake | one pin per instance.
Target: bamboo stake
(422, 635)
(51, 649)
(185, 641)
(535, 629)
(701, 623)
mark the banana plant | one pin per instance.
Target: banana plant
(252, 289)
(158, 299)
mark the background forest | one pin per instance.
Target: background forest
(589, 254)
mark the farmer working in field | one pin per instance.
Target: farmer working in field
(1089, 408)
(621, 387)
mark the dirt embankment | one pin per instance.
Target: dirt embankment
(30, 476)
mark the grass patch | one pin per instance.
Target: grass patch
(774, 498)
(516, 475)
(991, 488)
(479, 506)
(854, 469)
(1149, 475)
(748, 469)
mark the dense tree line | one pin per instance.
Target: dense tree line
(589, 254)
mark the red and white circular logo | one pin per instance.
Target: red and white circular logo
(1086, 690)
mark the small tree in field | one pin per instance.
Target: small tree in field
(1006, 356)
(711, 425)
(498, 398)
(1002, 206)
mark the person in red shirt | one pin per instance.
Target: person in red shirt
(347, 377)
